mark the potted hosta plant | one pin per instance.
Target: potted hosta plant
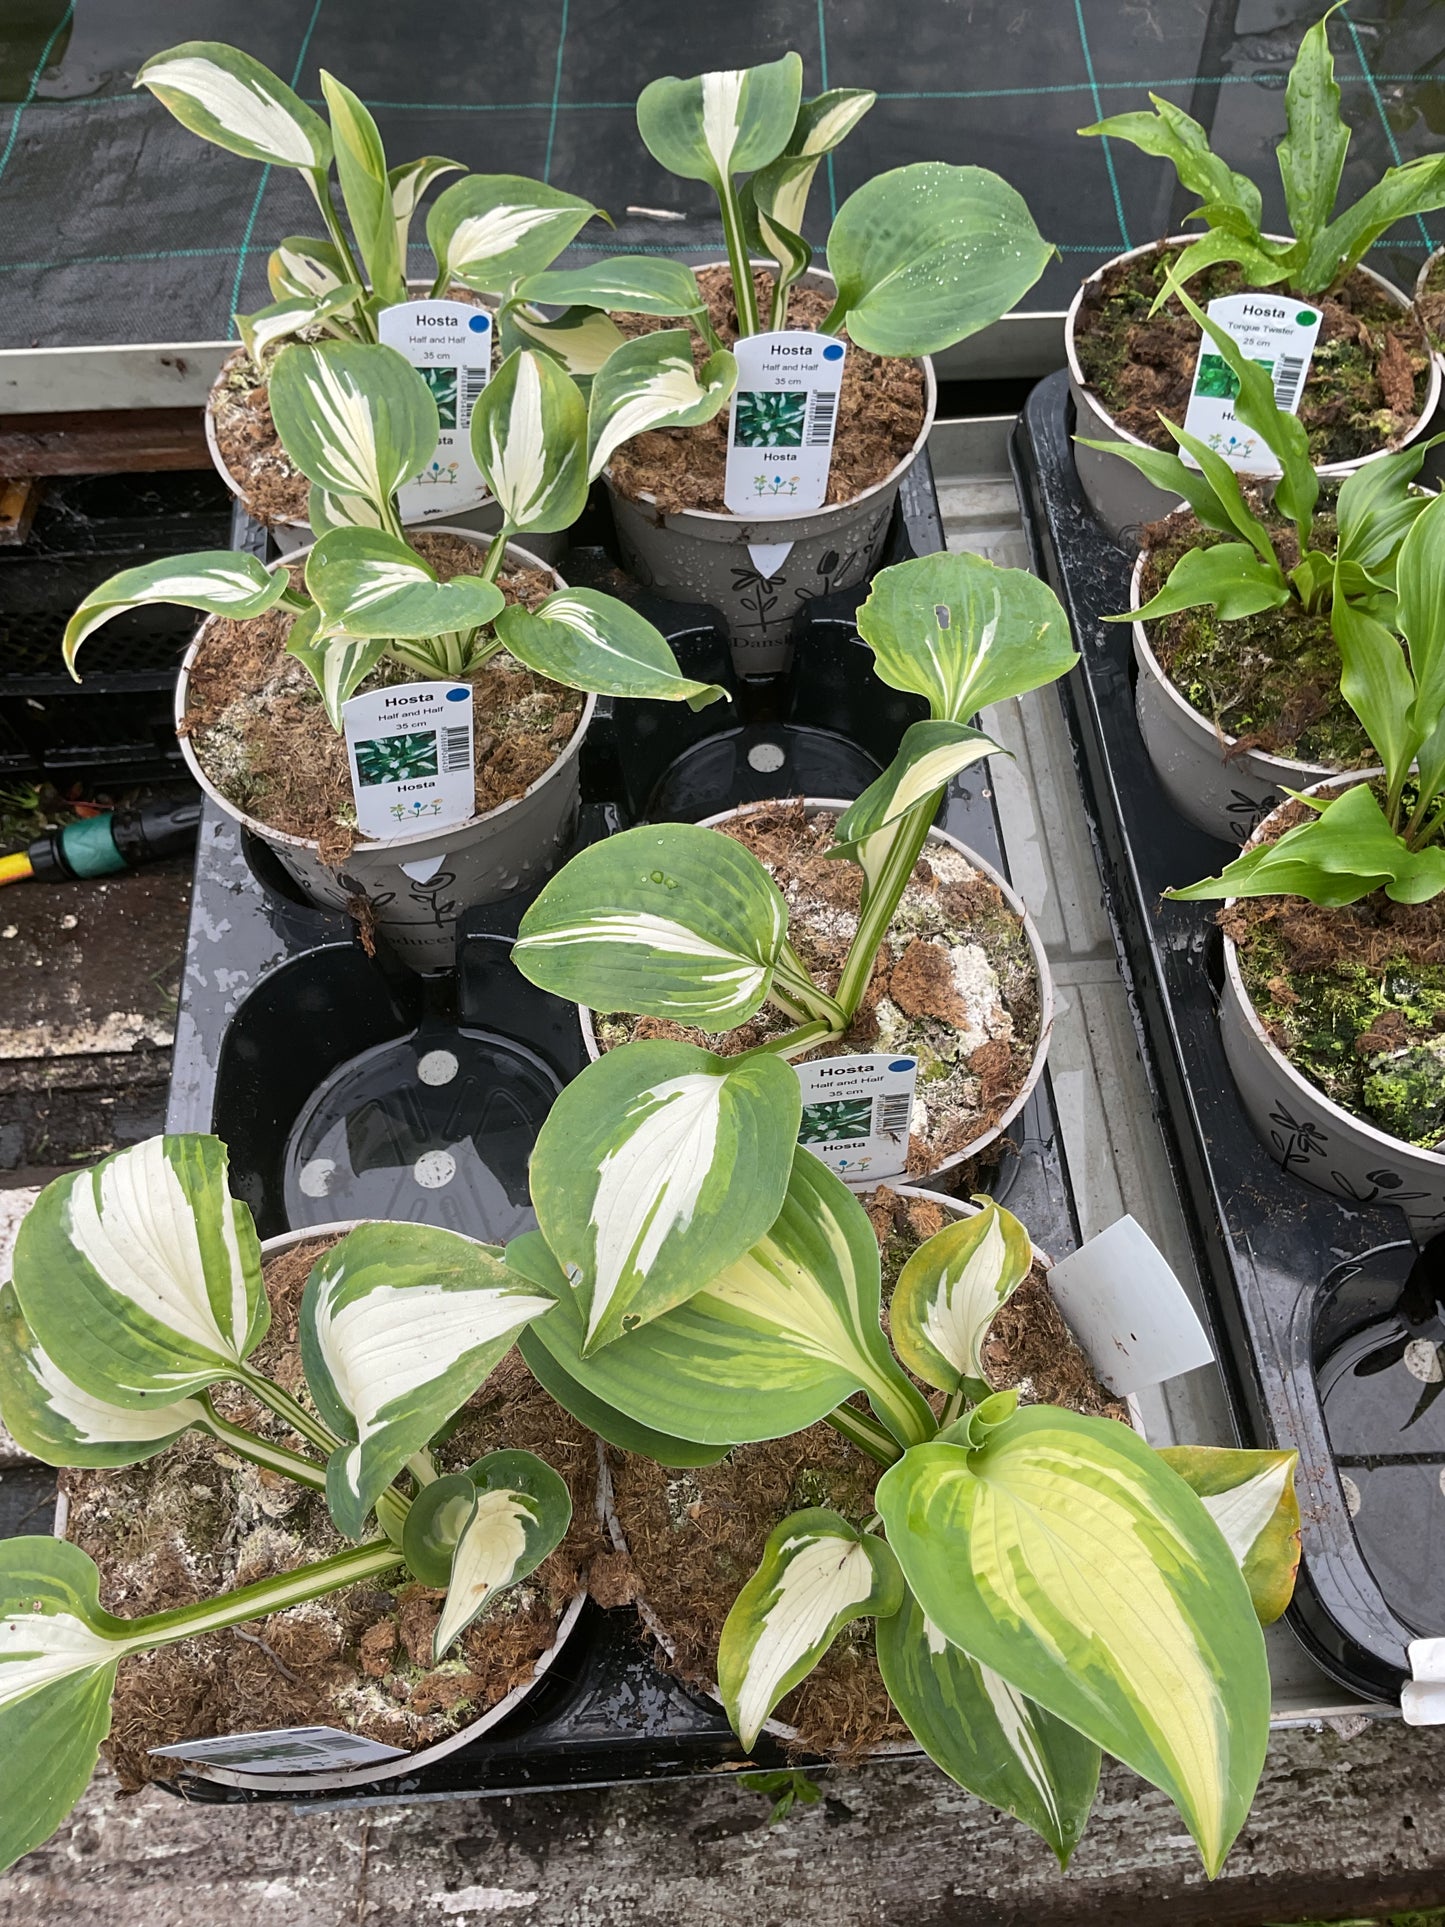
(705, 961)
(484, 232)
(259, 699)
(1238, 693)
(918, 258)
(1371, 383)
(238, 1410)
(1332, 974)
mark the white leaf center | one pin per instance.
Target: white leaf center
(240, 106)
(821, 1578)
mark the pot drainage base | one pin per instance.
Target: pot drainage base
(756, 763)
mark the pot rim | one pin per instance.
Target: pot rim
(1296, 1079)
(1076, 374)
(1036, 947)
(384, 845)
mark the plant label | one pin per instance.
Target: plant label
(781, 426)
(450, 345)
(284, 1749)
(410, 750)
(1127, 1309)
(1280, 335)
(857, 1112)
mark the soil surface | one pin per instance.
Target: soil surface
(1366, 386)
(1355, 998)
(197, 1520)
(695, 1535)
(1432, 300)
(954, 984)
(261, 734)
(880, 411)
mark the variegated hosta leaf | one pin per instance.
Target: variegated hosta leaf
(223, 582)
(408, 183)
(1251, 1498)
(337, 664)
(668, 920)
(354, 417)
(479, 1531)
(492, 229)
(964, 633)
(51, 1418)
(141, 1278)
(716, 125)
(58, 1655)
(817, 1573)
(579, 339)
(775, 1341)
(793, 254)
(301, 266)
(926, 255)
(325, 511)
(948, 1292)
(623, 284)
(227, 97)
(529, 437)
(264, 331)
(366, 189)
(657, 1167)
(400, 1324)
(368, 583)
(1066, 1555)
(778, 193)
(589, 640)
(984, 1734)
(929, 757)
(651, 383)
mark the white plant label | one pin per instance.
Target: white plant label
(1277, 333)
(781, 426)
(857, 1112)
(284, 1749)
(410, 750)
(450, 344)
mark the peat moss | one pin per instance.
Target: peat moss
(1431, 299)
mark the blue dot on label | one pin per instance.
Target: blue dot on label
(834, 353)
(901, 1064)
(458, 695)
(479, 324)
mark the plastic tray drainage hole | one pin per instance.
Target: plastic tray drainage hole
(433, 1169)
(437, 1067)
(315, 1178)
(767, 757)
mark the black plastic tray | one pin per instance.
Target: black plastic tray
(1294, 1274)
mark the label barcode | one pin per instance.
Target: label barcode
(1288, 374)
(456, 750)
(821, 409)
(892, 1115)
(470, 383)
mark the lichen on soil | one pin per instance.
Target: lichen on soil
(1366, 386)
(954, 985)
(197, 1520)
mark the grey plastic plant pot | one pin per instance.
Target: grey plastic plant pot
(1227, 795)
(707, 555)
(1306, 1132)
(323, 1781)
(1433, 469)
(1041, 970)
(416, 886)
(1120, 497)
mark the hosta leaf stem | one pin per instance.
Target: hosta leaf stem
(286, 1407)
(805, 1037)
(264, 1597)
(260, 1451)
(365, 326)
(867, 1434)
(910, 833)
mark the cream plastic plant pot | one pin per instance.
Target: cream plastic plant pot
(321, 1781)
(1041, 969)
(1306, 1132)
(759, 574)
(1117, 493)
(1432, 470)
(417, 885)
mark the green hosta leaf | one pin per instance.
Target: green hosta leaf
(592, 641)
(227, 97)
(929, 756)
(623, 284)
(1264, 264)
(984, 1734)
(1225, 484)
(579, 339)
(492, 229)
(366, 189)
(926, 255)
(947, 1295)
(817, 1574)
(1376, 508)
(264, 331)
(529, 437)
(305, 268)
(651, 383)
(1251, 1498)
(657, 1167)
(368, 583)
(1312, 154)
(407, 185)
(220, 581)
(779, 191)
(1175, 478)
(58, 1655)
(1063, 1553)
(1416, 188)
(1229, 578)
(669, 920)
(1174, 136)
(962, 633)
(354, 417)
(337, 664)
(1420, 581)
(1377, 684)
(399, 1326)
(716, 125)
(141, 1278)
(51, 1418)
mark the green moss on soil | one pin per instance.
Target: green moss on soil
(1431, 300)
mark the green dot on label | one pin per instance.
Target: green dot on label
(1304, 317)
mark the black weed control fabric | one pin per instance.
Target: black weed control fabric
(117, 226)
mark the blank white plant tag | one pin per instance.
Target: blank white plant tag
(1280, 335)
(410, 751)
(782, 421)
(1127, 1309)
(450, 344)
(857, 1112)
(284, 1749)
